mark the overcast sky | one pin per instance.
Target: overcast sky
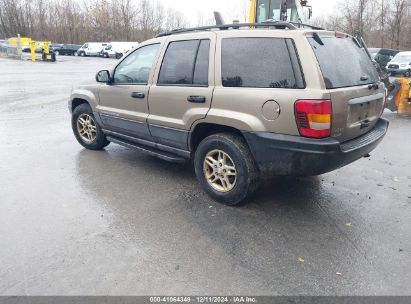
(232, 9)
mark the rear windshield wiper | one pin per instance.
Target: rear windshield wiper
(356, 42)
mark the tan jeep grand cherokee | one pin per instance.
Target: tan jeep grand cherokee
(240, 102)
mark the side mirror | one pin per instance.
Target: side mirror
(103, 76)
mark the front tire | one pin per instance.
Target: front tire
(407, 74)
(226, 169)
(86, 129)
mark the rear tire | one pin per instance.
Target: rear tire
(86, 129)
(407, 74)
(215, 173)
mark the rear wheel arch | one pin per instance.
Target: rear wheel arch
(203, 130)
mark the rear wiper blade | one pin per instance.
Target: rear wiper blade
(356, 42)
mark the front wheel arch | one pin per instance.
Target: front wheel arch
(78, 101)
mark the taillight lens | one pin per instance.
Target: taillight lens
(314, 117)
(340, 35)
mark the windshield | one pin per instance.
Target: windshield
(333, 57)
(108, 47)
(402, 58)
(271, 9)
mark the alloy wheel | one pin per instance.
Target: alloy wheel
(87, 128)
(219, 170)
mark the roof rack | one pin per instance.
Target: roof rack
(234, 26)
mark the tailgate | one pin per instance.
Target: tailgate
(355, 111)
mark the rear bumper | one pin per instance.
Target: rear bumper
(293, 155)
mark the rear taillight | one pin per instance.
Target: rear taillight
(313, 117)
(340, 35)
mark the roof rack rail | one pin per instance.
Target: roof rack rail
(276, 24)
(268, 23)
(303, 25)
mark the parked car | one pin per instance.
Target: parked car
(91, 48)
(118, 49)
(382, 56)
(67, 49)
(242, 104)
(55, 46)
(400, 64)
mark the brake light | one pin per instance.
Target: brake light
(313, 117)
(340, 35)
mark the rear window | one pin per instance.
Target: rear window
(260, 63)
(343, 63)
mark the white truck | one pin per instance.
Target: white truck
(118, 49)
(91, 48)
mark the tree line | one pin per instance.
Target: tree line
(382, 23)
(76, 22)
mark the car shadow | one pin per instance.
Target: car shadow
(154, 202)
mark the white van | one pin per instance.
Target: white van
(91, 48)
(400, 64)
(118, 49)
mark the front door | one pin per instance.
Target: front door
(183, 90)
(123, 103)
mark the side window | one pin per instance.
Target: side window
(185, 63)
(137, 66)
(260, 63)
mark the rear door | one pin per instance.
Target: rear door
(354, 85)
(183, 89)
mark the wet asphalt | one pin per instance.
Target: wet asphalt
(118, 222)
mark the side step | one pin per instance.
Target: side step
(152, 151)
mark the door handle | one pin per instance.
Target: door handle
(196, 99)
(138, 95)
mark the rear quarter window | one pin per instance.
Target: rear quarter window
(260, 63)
(343, 63)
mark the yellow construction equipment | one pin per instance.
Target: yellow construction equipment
(25, 42)
(403, 97)
(44, 45)
(297, 11)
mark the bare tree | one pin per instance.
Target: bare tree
(399, 14)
